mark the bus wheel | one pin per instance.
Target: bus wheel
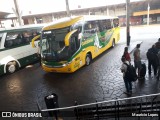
(113, 43)
(11, 67)
(88, 59)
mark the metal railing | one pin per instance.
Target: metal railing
(146, 106)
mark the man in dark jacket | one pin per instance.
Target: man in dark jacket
(157, 44)
(152, 59)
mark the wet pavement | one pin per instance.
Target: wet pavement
(102, 80)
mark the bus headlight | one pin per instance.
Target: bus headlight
(64, 65)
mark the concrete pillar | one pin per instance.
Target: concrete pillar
(107, 11)
(127, 21)
(53, 19)
(18, 13)
(67, 9)
(35, 21)
(148, 14)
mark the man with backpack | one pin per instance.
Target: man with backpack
(126, 75)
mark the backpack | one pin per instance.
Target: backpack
(150, 55)
(131, 73)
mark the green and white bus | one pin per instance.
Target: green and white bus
(15, 48)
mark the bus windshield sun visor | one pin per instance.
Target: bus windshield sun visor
(68, 36)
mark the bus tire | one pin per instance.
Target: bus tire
(11, 67)
(113, 43)
(88, 59)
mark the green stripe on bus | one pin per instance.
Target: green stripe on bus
(28, 60)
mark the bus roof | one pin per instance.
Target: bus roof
(22, 27)
(68, 21)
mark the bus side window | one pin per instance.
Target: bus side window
(116, 22)
(12, 39)
(76, 37)
(1, 34)
(26, 37)
(89, 30)
(8, 44)
(108, 24)
(34, 33)
(104, 25)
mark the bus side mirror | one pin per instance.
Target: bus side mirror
(34, 39)
(68, 36)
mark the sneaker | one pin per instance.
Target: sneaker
(128, 93)
(140, 78)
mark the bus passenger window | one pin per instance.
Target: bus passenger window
(26, 37)
(0, 38)
(116, 22)
(108, 24)
(13, 39)
(90, 29)
(87, 30)
(19, 36)
(8, 43)
(35, 34)
(102, 25)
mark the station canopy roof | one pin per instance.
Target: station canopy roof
(4, 14)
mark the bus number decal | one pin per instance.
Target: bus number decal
(78, 58)
(76, 65)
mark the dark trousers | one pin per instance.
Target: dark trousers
(128, 84)
(158, 72)
(150, 65)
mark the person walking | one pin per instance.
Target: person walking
(152, 60)
(127, 81)
(137, 59)
(127, 55)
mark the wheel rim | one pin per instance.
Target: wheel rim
(88, 60)
(11, 68)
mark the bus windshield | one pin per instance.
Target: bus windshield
(53, 47)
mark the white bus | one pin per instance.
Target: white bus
(15, 47)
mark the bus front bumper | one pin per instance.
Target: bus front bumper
(62, 69)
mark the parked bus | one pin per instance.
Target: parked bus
(15, 48)
(71, 43)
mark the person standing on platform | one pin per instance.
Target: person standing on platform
(126, 77)
(137, 59)
(152, 59)
(127, 55)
